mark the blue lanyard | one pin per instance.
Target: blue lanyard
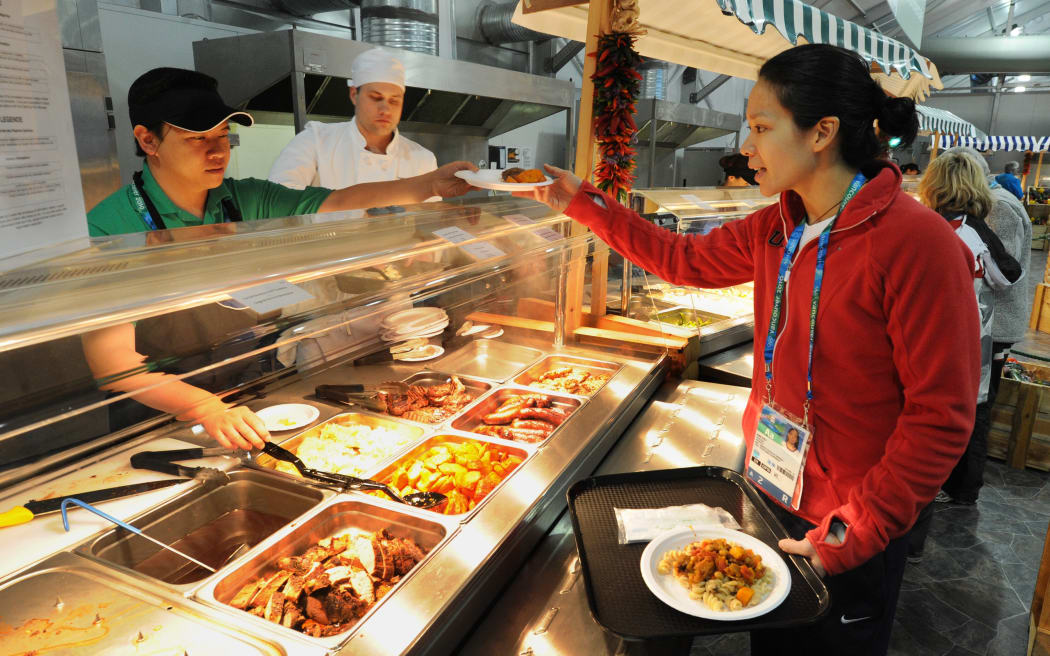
(145, 207)
(818, 281)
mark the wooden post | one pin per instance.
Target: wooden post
(598, 13)
(1024, 176)
(936, 145)
(1039, 169)
(1024, 421)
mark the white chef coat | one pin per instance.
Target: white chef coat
(333, 155)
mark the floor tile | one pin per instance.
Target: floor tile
(974, 635)
(977, 599)
(1011, 639)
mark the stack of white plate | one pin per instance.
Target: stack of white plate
(416, 322)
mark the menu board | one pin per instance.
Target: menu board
(41, 201)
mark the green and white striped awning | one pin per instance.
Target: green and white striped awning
(933, 120)
(793, 19)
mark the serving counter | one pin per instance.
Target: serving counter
(192, 303)
(717, 318)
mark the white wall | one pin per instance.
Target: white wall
(136, 41)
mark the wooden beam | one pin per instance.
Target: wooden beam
(936, 145)
(598, 13)
(532, 6)
(1039, 169)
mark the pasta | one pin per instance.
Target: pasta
(721, 574)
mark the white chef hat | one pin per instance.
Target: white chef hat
(376, 65)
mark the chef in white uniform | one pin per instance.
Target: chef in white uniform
(367, 148)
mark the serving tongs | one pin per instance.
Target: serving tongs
(165, 462)
(371, 397)
(417, 499)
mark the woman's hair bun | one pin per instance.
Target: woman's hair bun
(898, 118)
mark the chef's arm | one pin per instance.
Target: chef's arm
(111, 355)
(440, 182)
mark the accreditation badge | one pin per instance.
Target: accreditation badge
(778, 456)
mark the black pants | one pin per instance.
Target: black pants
(965, 481)
(863, 602)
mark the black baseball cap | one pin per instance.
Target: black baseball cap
(185, 99)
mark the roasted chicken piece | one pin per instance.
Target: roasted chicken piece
(523, 175)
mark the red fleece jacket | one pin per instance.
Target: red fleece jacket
(897, 358)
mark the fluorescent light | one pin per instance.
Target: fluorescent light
(1016, 30)
(1020, 89)
(1024, 78)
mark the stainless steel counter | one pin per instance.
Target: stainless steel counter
(545, 611)
(732, 366)
(437, 604)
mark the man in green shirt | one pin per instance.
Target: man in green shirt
(182, 130)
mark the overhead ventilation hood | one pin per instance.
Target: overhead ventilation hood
(304, 74)
(678, 125)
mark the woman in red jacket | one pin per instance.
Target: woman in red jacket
(884, 379)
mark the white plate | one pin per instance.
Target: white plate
(393, 336)
(428, 352)
(493, 179)
(668, 590)
(288, 416)
(413, 318)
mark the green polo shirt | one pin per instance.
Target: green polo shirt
(256, 199)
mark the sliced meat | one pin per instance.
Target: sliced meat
(262, 598)
(293, 617)
(362, 586)
(341, 605)
(293, 588)
(315, 610)
(337, 575)
(364, 553)
(312, 628)
(275, 607)
(245, 594)
(384, 565)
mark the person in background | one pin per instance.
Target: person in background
(367, 148)
(1010, 180)
(1009, 221)
(911, 168)
(895, 346)
(736, 171)
(181, 128)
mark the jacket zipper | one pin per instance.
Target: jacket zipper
(787, 288)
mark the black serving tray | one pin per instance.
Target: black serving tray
(618, 597)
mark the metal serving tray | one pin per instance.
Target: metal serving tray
(486, 358)
(510, 447)
(477, 389)
(666, 316)
(412, 433)
(340, 514)
(69, 605)
(529, 376)
(474, 416)
(207, 523)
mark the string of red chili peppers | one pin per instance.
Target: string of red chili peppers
(616, 84)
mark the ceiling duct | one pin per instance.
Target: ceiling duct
(307, 8)
(494, 23)
(405, 24)
(994, 54)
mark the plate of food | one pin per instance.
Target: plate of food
(514, 179)
(715, 573)
(288, 416)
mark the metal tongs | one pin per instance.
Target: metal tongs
(344, 482)
(164, 462)
(372, 397)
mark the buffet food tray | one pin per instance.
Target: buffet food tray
(476, 387)
(208, 523)
(486, 358)
(473, 417)
(95, 613)
(339, 514)
(410, 431)
(525, 452)
(618, 597)
(527, 377)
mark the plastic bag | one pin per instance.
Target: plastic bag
(644, 524)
